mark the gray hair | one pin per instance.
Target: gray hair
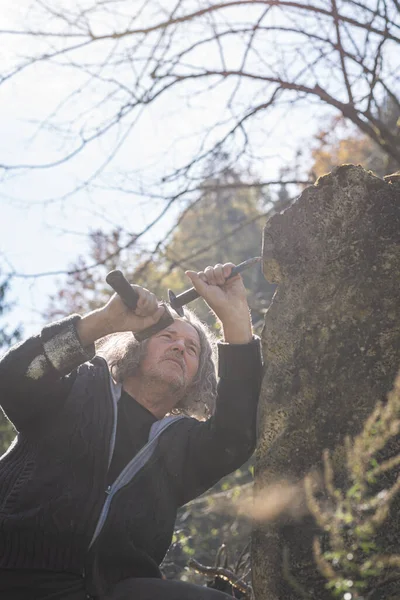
(124, 353)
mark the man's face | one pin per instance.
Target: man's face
(173, 355)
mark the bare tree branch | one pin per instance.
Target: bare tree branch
(263, 57)
(160, 63)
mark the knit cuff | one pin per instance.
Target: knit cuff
(62, 346)
(239, 361)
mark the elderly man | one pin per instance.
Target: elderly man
(108, 446)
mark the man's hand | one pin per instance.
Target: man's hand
(115, 316)
(228, 300)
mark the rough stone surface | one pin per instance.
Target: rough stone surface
(331, 345)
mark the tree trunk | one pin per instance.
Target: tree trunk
(331, 346)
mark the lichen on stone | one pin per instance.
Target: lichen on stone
(331, 344)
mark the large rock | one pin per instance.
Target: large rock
(331, 345)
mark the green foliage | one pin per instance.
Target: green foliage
(351, 556)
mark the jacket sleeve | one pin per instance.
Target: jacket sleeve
(223, 443)
(37, 374)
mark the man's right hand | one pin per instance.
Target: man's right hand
(115, 316)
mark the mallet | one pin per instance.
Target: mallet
(117, 280)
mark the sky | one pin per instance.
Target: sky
(43, 228)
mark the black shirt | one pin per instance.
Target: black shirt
(133, 428)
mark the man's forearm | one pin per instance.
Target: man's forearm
(92, 327)
(237, 329)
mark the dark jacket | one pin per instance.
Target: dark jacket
(53, 479)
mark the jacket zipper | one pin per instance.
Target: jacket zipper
(114, 403)
(114, 428)
(127, 475)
